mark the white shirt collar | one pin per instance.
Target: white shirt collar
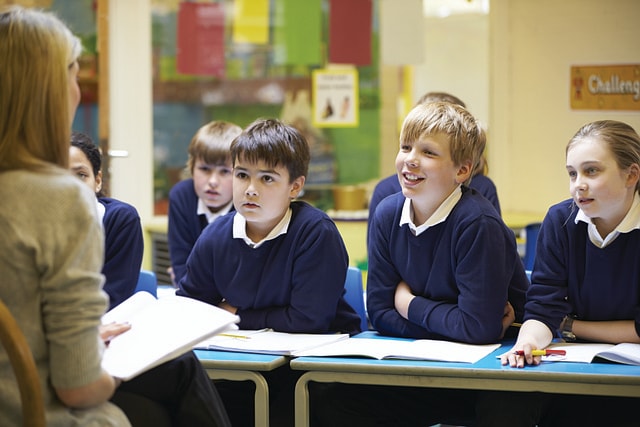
(240, 229)
(437, 217)
(630, 222)
(204, 210)
(101, 210)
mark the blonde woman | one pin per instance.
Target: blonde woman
(50, 237)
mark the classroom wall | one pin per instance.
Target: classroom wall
(529, 48)
(532, 47)
(457, 61)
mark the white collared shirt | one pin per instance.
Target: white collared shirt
(630, 222)
(240, 229)
(101, 210)
(204, 210)
(437, 217)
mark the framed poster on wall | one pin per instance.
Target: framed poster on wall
(335, 97)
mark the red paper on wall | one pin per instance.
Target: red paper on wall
(200, 39)
(350, 32)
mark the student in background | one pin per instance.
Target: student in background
(177, 392)
(197, 201)
(124, 244)
(50, 238)
(442, 265)
(480, 181)
(275, 262)
(586, 278)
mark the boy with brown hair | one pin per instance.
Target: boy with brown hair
(276, 262)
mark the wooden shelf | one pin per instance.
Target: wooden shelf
(217, 92)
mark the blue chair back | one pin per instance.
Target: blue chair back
(530, 241)
(148, 282)
(354, 295)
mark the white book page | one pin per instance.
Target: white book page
(448, 351)
(129, 308)
(268, 341)
(362, 347)
(626, 353)
(577, 352)
(226, 334)
(160, 331)
(445, 351)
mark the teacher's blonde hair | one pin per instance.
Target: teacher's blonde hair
(36, 51)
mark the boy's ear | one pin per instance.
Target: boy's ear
(98, 181)
(464, 172)
(296, 187)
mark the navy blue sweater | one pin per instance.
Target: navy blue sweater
(573, 276)
(124, 247)
(462, 270)
(185, 225)
(293, 283)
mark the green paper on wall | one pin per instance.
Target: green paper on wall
(298, 32)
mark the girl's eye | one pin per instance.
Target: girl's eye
(225, 171)
(572, 174)
(241, 175)
(204, 168)
(267, 178)
(405, 148)
(592, 171)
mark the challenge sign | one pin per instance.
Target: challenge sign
(606, 87)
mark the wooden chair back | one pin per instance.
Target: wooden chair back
(24, 368)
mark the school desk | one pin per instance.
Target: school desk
(609, 379)
(226, 365)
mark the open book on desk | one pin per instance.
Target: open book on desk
(626, 353)
(267, 341)
(421, 349)
(161, 330)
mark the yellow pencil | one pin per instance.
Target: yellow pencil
(243, 337)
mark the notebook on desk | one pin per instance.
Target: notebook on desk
(267, 341)
(626, 353)
(421, 349)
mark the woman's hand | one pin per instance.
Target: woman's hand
(112, 330)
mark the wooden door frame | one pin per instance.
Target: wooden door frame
(102, 20)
